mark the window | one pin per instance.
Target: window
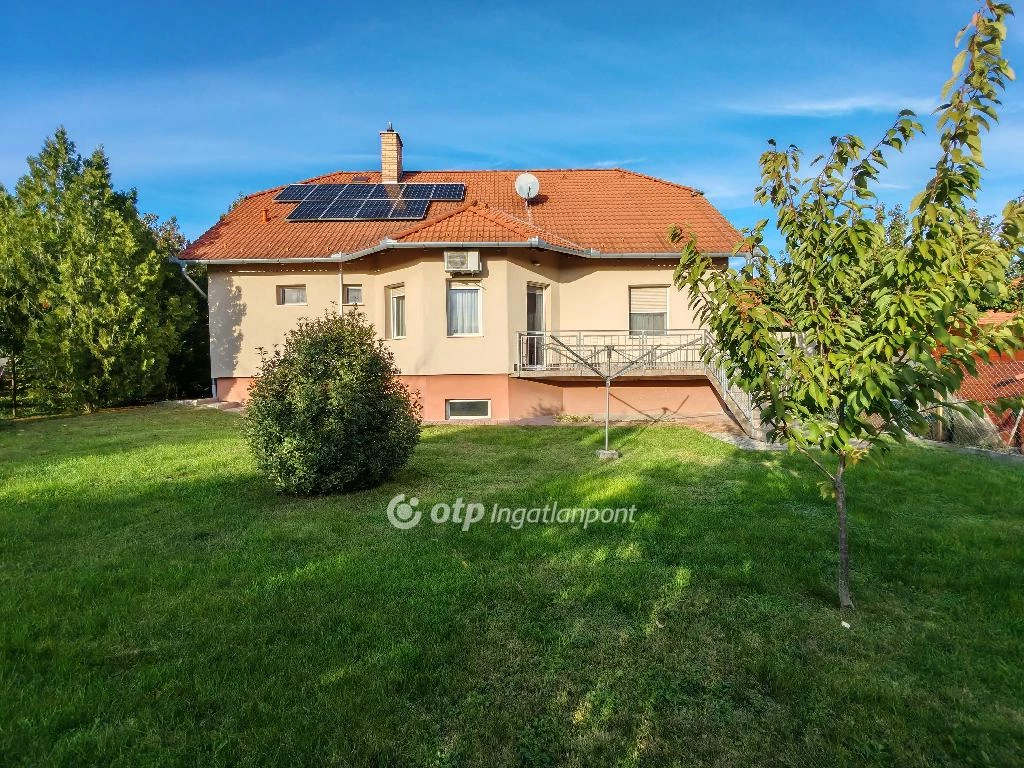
(648, 310)
(463, 309)
(352, 294)
(291, 294)
(467, 409)
(396, 312)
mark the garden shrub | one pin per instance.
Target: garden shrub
(327, 412)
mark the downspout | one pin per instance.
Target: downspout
(191, 282)
(341, 287)
(201, 292)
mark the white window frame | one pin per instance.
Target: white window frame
(389, 290)
(448, 411)
(630, 313)
(279, 290)
(465, 285)
(344, 295)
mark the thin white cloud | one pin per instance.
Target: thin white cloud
(625, 163)
(831, 107)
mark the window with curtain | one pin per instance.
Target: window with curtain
(353, 294)
(648, 310)
(291, 294)
(396, 312)
(463, 309)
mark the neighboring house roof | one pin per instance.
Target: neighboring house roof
(592, 211)
(992, 317)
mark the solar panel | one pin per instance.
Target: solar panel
(309, 210)
(450, 192)
(409, 209)
(355, 192)
(375, 210)
(342, 209)
(417, 191)
(373, 191)
(294, 193)
(366, 202)
(325, 192)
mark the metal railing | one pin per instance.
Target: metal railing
(604, 353)
(610, 354)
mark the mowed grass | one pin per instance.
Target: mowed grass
(160, 605)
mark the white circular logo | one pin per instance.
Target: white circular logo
(402, 514)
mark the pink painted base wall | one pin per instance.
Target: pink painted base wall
(515, 400)
(234, 390)
(520, 400)
(434, 390)
(663, 399)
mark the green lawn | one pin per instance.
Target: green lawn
(161, 605)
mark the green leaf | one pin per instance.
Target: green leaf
(959, 61)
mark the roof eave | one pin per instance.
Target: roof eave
(388, 244)
(295, 260)
(533, 242)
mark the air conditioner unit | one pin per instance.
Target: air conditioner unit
(462, 261)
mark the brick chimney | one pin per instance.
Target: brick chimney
(390, 156)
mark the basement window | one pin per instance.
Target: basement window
(467, 409)
(291, 294)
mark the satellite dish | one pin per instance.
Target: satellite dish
(527, 186)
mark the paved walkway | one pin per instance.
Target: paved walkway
(209, 402)
(745, 442)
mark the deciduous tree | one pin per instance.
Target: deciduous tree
(854, 335)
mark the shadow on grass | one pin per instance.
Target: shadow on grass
(228, 621)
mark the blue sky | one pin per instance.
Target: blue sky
(196, 102)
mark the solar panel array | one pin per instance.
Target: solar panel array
(365, 202)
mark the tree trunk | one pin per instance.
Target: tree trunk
(14, 386)
(845, 601)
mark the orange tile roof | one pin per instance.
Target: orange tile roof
(479, 223)
(611, 211)
(993, 317)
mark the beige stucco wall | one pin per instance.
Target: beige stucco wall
(580, 294)
(595, 295)
(427, 349)
(245, 315)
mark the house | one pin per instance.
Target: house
(496, 306)
(1001, 379)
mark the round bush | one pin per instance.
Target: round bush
(327, 412)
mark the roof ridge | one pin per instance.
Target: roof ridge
(430, 222)
(506, 170)
(310, 180)
(315, 179)
(696, 192)
(528, 227)
(497, 216)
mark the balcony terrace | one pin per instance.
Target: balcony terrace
(609, 355)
